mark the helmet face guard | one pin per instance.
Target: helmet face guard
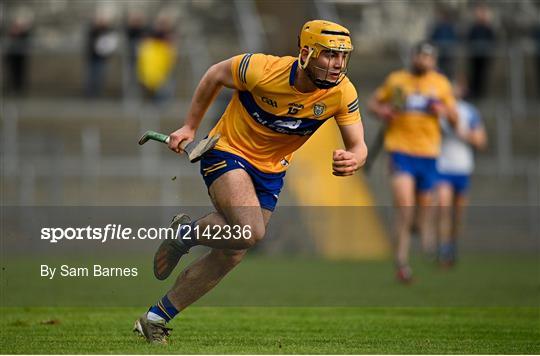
(326, 38)
(323, 81)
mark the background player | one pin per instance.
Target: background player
(455, 165)
(278, 103)
(410, 102)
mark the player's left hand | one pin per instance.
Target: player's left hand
(344, 163)
(438, 108)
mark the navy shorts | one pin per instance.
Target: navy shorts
(458, 182)
(267, 185)
(422, 169)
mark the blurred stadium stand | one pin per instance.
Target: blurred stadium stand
(60, 148)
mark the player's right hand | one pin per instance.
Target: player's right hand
(387, 112)
(185, 133)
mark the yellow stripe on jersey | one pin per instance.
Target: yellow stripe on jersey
(268, 119)
(415, 130)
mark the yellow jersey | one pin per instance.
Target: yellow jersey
(416, 129)
(268, 118)
(155, 62)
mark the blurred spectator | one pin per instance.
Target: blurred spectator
(136, 30)
(481, 41)
(443, 35)
(455, 164)
(536, 37)
(17, 54)
(156, 61)
(102, 41)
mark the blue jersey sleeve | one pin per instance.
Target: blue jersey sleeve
(474, 117)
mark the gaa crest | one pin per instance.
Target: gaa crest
(318, 109)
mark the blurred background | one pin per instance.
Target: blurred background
(82, 80)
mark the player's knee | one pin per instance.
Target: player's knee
(406, 212)
(234, 257)
(258, 232)
(253, 233)
(229, 258)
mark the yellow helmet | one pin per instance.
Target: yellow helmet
(319, 35)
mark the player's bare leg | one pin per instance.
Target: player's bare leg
(205, 273)
(236, 202)
(231, 194)
(403, 190)
(425, 223)
(451, 215)
(460, 203)
(237, 224)
(444, 197)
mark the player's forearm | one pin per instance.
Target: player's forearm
(375, 107)
(204, 95)
(451, 115)
(478, 139)
(353, 138)
(383, 111)
(360, 153)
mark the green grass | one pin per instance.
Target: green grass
(487, 305)
(478, 280)
(271, 330)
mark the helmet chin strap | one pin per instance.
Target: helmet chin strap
(319, 83)
(303, 65)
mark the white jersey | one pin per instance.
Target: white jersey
(457, 156)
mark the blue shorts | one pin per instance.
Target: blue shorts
(267, 185)
(458, 182)
(422, 169)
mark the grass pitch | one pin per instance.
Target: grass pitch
(271, 330)
(487, 305)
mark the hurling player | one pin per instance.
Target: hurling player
(411, 101)
(278, 103)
